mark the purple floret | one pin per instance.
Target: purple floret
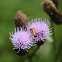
(21, 39)
(41, 28)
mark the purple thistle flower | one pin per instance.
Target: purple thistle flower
(21, 40)
(41, 28)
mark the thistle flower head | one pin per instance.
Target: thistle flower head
(21, 39)
(41, 28)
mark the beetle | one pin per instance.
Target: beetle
(33, 32)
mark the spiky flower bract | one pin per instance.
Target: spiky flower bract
(21, 40)
(41, 28)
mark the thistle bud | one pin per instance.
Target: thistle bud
(50, 8)
(20, 19)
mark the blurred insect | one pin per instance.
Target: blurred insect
(33, 32)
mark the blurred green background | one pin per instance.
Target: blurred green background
(33, 9)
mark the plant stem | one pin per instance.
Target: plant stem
(59, 52)
(34, 52)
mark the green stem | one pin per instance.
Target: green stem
(34, 52)
(59, 52)
(30, 56)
